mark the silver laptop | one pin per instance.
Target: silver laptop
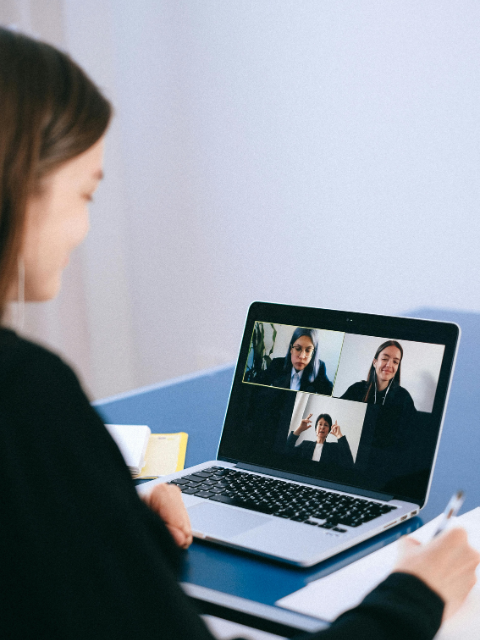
(330, 435)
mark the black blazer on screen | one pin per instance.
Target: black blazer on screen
(276, 376)
(333, 453)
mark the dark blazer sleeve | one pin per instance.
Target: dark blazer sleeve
(274, 376)
(291, 442)
(305, 449)
(342, 451)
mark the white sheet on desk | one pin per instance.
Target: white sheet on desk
(328, 597)
(465, 624)
(132, 440)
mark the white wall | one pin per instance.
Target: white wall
(315, 153)
(319, 153)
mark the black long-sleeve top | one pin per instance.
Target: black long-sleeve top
(81, 556)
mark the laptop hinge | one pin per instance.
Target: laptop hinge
(375, 495)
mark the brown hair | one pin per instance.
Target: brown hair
(50, 112)
(371, 371)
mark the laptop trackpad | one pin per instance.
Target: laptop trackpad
(223, 522)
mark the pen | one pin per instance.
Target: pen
(452, 509)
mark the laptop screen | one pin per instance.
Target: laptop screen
(352, 399)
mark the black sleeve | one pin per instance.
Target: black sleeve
(355, 392)
(291, 442)
(322, 384)
(408, 403)
(274, 375)
(82, 556)
(345, 457)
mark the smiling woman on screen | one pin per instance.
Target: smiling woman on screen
(82, 555)
(382, 385)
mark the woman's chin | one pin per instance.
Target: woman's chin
(44, 292)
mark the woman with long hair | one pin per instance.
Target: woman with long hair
(301, 368)
(382, 385)
(82, 555)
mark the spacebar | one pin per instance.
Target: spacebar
(263, 508)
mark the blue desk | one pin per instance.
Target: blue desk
(243, 587)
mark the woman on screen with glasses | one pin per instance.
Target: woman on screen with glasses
(300, 369)
(82, 555)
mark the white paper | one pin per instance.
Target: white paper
(132, 440)
(328, 597)
(465, 624)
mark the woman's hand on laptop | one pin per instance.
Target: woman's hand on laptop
(166, 501)
(446, 564)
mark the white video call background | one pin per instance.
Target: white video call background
(420, 367)
(348, 415)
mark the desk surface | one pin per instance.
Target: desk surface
(196, 404)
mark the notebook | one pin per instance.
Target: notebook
(330, 435)
(165, 454)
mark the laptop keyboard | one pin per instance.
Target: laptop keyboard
(312, 506)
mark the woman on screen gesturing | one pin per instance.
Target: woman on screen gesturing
(318, 450)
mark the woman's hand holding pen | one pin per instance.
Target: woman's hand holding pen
(166, 501)
(305, 424)
(446, 564)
